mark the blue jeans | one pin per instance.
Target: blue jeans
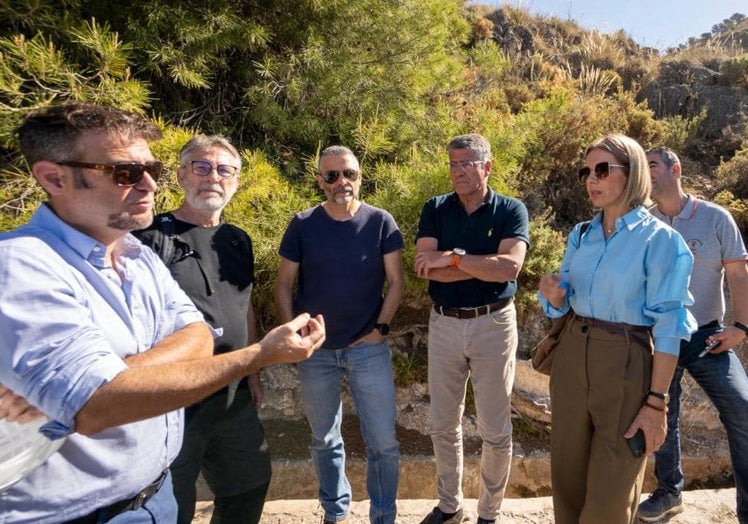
(371, 384)
(723, 379)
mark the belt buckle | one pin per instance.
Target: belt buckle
(140, 499)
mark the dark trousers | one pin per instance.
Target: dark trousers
(228, 446)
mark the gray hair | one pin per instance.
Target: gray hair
(334, 151)
(208, 141)
(667, 155)
(474, 142)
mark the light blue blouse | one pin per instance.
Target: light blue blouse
(639, 275)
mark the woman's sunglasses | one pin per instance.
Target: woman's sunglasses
(602, 170)
(123, 174)
(330, 177)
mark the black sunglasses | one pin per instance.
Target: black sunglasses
(602, 170)
(330, 177)
(123, 174)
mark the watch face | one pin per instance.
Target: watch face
(384, 329)
(459, 251)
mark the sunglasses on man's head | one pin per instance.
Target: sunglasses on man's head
(204, 168)
(602, 170)
(123, 174)
(330, 177)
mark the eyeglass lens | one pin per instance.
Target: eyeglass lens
(464, 164)
(123, 174)
(131, 174)
(203, 168)
(330, 177)
(602, 170)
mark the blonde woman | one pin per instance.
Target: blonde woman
(626, 280)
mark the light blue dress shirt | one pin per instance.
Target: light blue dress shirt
(67, 320)
(639, 275)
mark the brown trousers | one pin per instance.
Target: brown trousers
(598, 383)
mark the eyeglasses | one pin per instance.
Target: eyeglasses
(330, 177)
(464, 164)
(123, 174)
(602, 170)
(203, 168)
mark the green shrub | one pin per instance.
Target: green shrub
(735, 71)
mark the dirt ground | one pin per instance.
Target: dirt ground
(701, 507)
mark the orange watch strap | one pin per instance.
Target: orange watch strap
(455, 261)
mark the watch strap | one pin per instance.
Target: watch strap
(656, 394)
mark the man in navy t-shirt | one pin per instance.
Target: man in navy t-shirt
(343, 251)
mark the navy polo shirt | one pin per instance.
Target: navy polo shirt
(443, 217)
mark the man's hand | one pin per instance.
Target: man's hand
(728, 339)
(293, 341)
(255, 387)
(427, 260)
(15, 409)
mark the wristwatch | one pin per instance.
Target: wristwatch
(457, 254)
(382, 328)
(662, 396)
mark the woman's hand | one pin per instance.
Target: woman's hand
(552, 290)
(654, 425)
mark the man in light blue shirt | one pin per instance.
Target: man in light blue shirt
(96, 334)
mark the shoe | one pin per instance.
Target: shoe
(344, 521)
(659, 504)
(481, 520)
(437, 516)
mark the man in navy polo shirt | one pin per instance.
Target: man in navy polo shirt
(470, 245)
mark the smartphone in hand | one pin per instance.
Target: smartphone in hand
(636, 443)
(710, 347)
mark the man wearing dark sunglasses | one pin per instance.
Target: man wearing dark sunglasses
(213, 262)
(471, 245)
(97, 335)
(718, 250)
(343, 251)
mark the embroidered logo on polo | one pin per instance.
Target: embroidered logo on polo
(694, 245)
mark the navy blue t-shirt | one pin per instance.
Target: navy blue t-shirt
(443, 217)
(341, 268)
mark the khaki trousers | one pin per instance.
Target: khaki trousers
(482, 349)
(598, 383)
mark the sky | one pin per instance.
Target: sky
(652, 23)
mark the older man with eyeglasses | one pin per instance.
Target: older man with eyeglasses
(213, 262)
(471, 245)
(97, 335)
(343, 252)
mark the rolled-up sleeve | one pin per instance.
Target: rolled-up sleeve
(668, 264)
(53, 354)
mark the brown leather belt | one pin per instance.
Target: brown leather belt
(620, 328)
(116, 508)
(472, 312)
